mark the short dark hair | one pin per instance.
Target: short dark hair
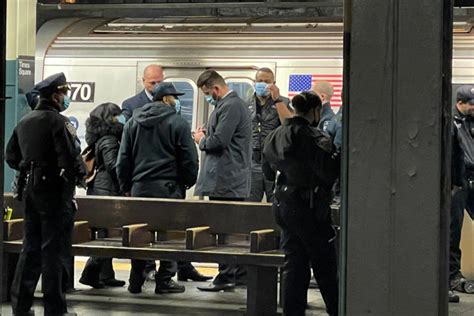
(210, 78)
(306, 101)
(267, 70)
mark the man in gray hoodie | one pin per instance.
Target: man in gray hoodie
(157, 158)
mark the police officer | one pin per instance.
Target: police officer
(463, 185)
(306, 170)
(267, 108)
(43, 148)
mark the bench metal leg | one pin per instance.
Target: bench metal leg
(261, 291)
(10, 260)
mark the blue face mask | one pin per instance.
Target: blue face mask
(261, 89)
(121, 119)
(210, 100)
(66, 103)
(177, 106)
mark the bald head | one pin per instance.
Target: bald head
(152, 75)
(324, 89)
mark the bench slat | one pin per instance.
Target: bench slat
(13, 229)
(136, 235)
(263, 240)
(81, 232)
(199, 237)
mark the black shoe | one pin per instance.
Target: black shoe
(28, 313)
(134, 289)
(226, 287)
(96, 284)
(193, 275)
(114, 282)
(168, 287)
(453, 298)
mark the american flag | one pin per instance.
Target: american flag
(299, 83)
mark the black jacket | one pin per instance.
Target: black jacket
(464, 131)
(106, 152)
(47, 139)
(264, 120)
(302, 154)
(156, 145)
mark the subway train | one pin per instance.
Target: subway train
(104, 59)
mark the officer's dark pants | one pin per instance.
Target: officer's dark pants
(458, 204)
(49, 219)
(306, 239)
(260, 185)
(99, 268)
(158, 189)
(230, 273)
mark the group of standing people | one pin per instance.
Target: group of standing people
(146, 149)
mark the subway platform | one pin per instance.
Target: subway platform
(119, 302)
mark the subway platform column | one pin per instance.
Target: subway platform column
(20, 66)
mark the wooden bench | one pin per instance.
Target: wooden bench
(179, 230)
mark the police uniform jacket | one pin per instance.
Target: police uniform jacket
(464, 126)
(264, 120)
(327, 115)
(47, 139)
(227, 145)
(156, 145)
(301, 154)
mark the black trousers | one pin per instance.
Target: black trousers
(458, 204)
(307, 242)
(260, 185)
(49, 219)
(230, 273)
(158, 189)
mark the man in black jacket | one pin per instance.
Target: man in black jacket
(306, 170)
(43, 148)
(157, 158)
(462, 180)
(267, 108)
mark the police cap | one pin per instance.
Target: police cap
(52, 84)
(465, 94)
(163, 89)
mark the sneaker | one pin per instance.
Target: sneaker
(134, 289)
(168, 287)
(150, 275)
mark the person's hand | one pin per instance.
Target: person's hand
(198, 136)
(274, 91)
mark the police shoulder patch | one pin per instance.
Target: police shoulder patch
(70, 128)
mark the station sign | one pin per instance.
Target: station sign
(82, 91)
(26, 73)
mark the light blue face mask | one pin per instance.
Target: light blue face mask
(177, 106)
(121, 119)
(210, 100)
(261, 89)
(66, 103)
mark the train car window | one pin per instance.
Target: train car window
(243, 87)
(188, 100)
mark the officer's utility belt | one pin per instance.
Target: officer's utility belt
(290, 193)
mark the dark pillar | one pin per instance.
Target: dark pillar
(396, 159)
(3, 34)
